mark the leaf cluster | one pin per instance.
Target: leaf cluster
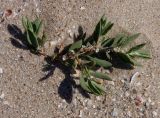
(88, 56)
(32, 30)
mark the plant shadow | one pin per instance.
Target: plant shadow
(118, 63)
(18, 37)
(67, 86)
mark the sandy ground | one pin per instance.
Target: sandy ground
(22, 95)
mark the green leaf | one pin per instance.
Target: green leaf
(41, 41)
(140, 53)
(107, 27)
(84, 83)
(129, 39)
(29, 25)
(97, 31)
(100, 62)
(76, 45)
(121, 40)
(33, 39)
(97, 89)
(137, 47)
(100, 75)
(107, 42)
(24, 22)
(28, 39)
(37, 24)
(93, 89)
(126, 58)
(118, 40)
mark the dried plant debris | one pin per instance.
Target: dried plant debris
(32, 30)
(87, 55)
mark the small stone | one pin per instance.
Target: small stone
(138, 84)
(111, 83)
(6, 103)
(122, 80)
(115, 112)
(63, 101)
(89, 103)
(75, 102)
(98, 98)
(147, 104)
(82, 8)
(8, 12)
(145, 94)
(113, 99)
(2, 96)
(70, 33)
(80, 113)
(59, 106)
(152, 103)
(52, 43)
(1, 70)
(73, 26)
(94, 106)
(95, 113)
(127, 94)
(149, 100)
(154, 113)
(129, 113)
(141, 114)
(138, 100)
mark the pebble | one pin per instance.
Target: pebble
(2, 96)
(152, 103)
(1, 70)
(111, 83)
(115, 112)
(70, 33)
(149, 100)
(52, 43)
(138, 84)
(89, 103)
(138, 100)
(75, 102)
(113, 99)
(98, 98)
(82, 8)
(129, 113)
(6, 103)
(94, 106)
(127, 94)
(154, 113)
(80, 113)
(122, 80)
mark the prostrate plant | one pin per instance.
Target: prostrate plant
(32, 30)
(87, 56)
